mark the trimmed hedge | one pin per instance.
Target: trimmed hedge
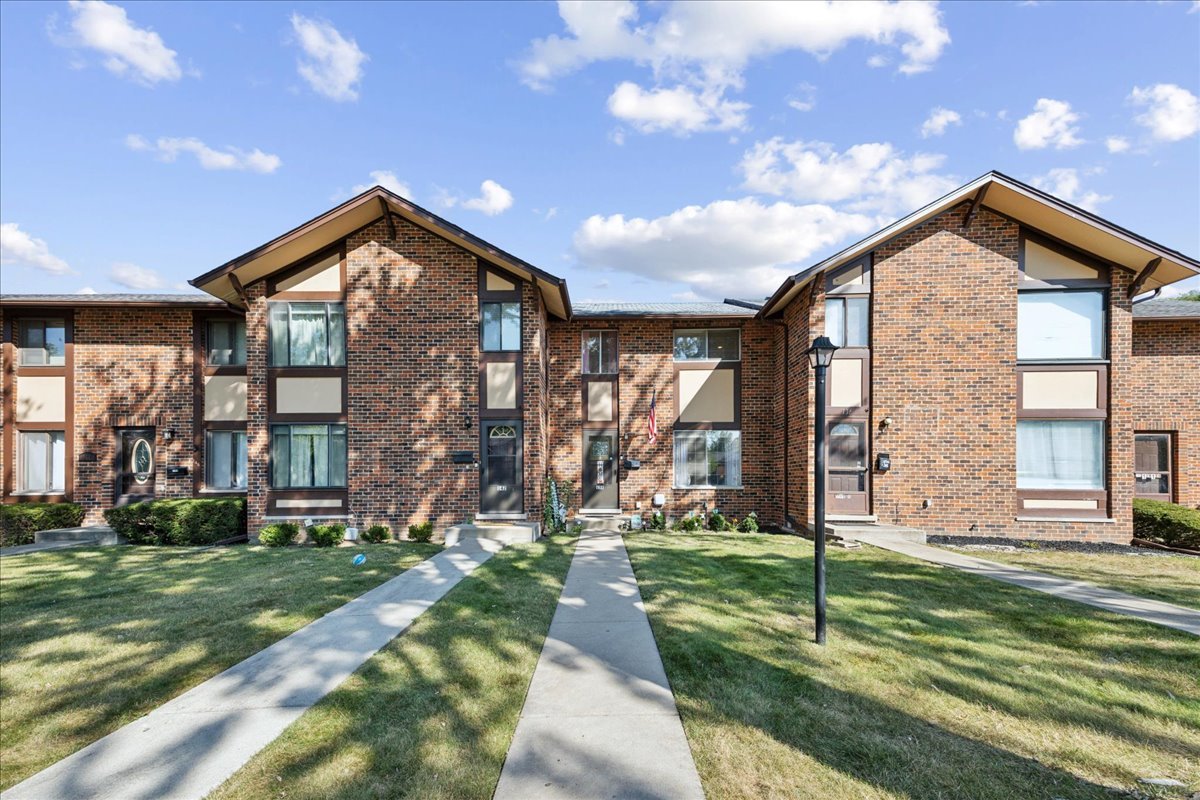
(189, 522)
(279, 534)
(422, 532)
(1167, 523)
(20, 521)
(327, 535)
(377, 534)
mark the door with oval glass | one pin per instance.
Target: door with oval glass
(501, 481)
(848, 475)
(135, 459)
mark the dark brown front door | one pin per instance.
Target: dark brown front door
(600, 470)
(847, 468)
(502, 480)
(135, 465)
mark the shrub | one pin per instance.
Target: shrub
(657, 521)
(376, 534)
(180, 522)
(688, 524)
(421, 532)
(1167, 523)
(327, 535)
(749, 524)
(279, 534)
(20, 521)
(718, 522)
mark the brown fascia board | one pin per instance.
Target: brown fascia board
(448, 229)
(214, 303)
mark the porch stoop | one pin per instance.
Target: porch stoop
(850, 532)
(510, 533)
(91, 534)
(599, 522)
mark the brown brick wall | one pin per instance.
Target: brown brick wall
(1165, 394)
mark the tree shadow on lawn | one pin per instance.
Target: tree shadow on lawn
(94, 638)
(732, 619)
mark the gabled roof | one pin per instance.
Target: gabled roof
(1167, 309)
(358, 212)
(127, 300)
(662, 310)
(1057, 218)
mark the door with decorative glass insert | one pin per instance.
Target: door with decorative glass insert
(600, 490)
(847, 473)
(134, 465)
(501, 482)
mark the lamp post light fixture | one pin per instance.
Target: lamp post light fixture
(820, 355)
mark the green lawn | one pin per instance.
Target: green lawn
(935, 683)
(432, 714)
(91, 639)
(1173, 579)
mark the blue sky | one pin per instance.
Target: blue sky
(652, 151)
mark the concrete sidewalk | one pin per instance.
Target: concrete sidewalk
(599, 720)
(1153, 611)
(189, 746)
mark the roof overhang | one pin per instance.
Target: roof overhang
(356, 213)
(1031, 207)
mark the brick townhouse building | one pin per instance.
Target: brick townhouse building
(380, 364)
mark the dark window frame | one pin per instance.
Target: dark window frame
(19, 463)
(329, 426)
(328, 363)
(680, 434)
(208, 341)
(852, 288)
(483, 323)
(1103, 358)
(208, 480)
(1168, 473)
(675, 333)
(25, 323)
(601, 332)
(845, 299)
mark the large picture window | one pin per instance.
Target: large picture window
(42, 462)
(599, 352)
(723, 344)
(308, 334)
(226, 341)
(308, 456)
(225, 460)
(1060, 454)
(846, 321)
(501, 327)
(708, 459)
(42, 342)
(1060, 325)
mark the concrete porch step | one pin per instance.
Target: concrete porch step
(605, 523)
(850, 532)
(90, 534)
(505, 533)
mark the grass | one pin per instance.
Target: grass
(91, 639)
(1170, 578)
(433, 713)
(935, 683)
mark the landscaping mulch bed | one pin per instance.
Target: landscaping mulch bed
(999, 542)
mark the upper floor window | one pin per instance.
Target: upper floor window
(1060, 325)
(599, 352)
(846, 321)
(226, 343)
(501, 326)
(308, 334)
(724, 344)
(43, 342)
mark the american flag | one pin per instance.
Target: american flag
(651, 423)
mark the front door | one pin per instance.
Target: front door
(846, 468)
(501, 481)
(600, 470)
(135, 465)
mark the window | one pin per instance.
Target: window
(308, 334)
(1060, 454)
(501, 326)
(42, 457)
(225, 460)
(724, 344)
(708, 459)
(846, 321)
(308, 456)
(1060, 325)
(599, 352)
(1152, 465)
(226, 343)
(43, 342)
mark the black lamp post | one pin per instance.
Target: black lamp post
(820, 354)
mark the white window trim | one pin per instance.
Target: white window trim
(677, 331)
(706, 486)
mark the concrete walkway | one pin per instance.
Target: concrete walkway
(599, 720)
(189, 746)
(24, 549)
(1153, 611)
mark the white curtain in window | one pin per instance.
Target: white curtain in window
(239, 460)
(35, 461)
(278, 324)
(220, 460)
(835, 321)
(58, 462)
(308, 347)
(1060, 454)
(1060, 325)
(856, 321)
(708, 458)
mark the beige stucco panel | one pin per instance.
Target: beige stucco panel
(600, 401)
(324, 276)
(1065, 390)
(496, 283)
(501, 379)
(706, 395)
(225, 398)
(1073, 505)
(845, 382)
(308, 396)
(1049, 265)
(41, 399)
(314, 502)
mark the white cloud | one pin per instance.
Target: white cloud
(388, 180)
(1066, 184)
(873, 177)
(132, 276)
(129, 51)
(334, 64)
(729, 247)
(18, 247)
(1052, 124)
(168, 149)
(939, 119)
(878, 61)
(493, 199)
(86, 290)
(680, 110)
(805, 98)
(1176, 289)
(1172, 112)
(1116, 144)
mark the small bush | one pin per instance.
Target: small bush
(180, 522)
(718, 522)
(657, 521)
(421, 532)
(376, 534)
(1167, 523)
(688, 524)
(279, 534)
(749, 524)
(327, 535)
(20, 521)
